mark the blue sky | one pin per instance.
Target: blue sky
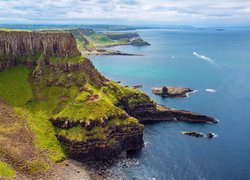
(161, 12)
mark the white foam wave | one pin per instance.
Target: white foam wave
(208, 59)
(192, 92)
(211, 90)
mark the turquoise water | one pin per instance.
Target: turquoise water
(174, 59)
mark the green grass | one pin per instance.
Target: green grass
(37, 166)
(13, 30)
(72, 59)
(14, 86)
(98, 38)
(93, 110)
(6, 171)
(115, 92)
(78, 133)
(102, 40)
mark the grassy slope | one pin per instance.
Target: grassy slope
(14, 86)
(13, 30)
(74, 59)
(6, 171)
(101, 40)
(16, 90)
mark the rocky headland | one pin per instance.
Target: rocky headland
(71, 109)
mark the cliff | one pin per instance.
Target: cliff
(24, 47)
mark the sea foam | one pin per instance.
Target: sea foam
(204, 58)
(211, 90)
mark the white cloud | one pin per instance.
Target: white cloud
(126, 11)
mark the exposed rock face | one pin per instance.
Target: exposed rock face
(120, 140)
(151, 112)
(171, 91)
(15, 45)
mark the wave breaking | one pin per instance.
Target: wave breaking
(211, 90)
(204, 58)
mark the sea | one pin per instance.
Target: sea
(216, 64)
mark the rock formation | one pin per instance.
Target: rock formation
(171, 91)
(24, 47)
(151, 112)
(193, 133)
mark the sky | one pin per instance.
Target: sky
(161, 12)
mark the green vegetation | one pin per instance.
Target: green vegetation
(6, 171)
(13, 30)
(93, 110)
(121, 35)
(101, 40)
(80, 134)
(115, 92)
(72, 59)
(36, 166)
(14, 85)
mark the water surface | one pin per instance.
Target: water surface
(199, 59)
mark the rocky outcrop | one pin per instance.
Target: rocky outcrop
(171, 91)
(22, 47)
(139, 42)
(193, 133)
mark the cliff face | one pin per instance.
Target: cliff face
(15, 45)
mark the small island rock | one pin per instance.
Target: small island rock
(171, 91)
